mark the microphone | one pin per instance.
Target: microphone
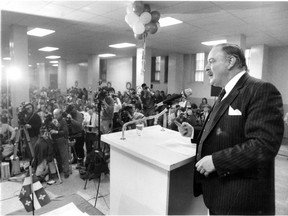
(185, 93)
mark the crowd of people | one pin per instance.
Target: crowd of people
(74, 121)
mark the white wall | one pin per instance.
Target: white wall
(278, 70)
(119, 72)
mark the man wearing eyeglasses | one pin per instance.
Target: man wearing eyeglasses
(236, 149)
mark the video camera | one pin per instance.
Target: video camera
(48, 124)
(22, 114)
(101, 94)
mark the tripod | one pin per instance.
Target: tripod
(23, 137)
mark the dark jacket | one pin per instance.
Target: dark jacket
(243, 149)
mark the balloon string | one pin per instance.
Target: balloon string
(144, 54)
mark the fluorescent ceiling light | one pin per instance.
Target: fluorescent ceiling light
(29, 65)
(53, 62)
(107, 55)
(168, 21)
(55, 65)
(212, 43)
(40, 32)
(48, 49)
(52, 57)
(122, 45)
(7, 58)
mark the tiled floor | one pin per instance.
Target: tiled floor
(74, 184)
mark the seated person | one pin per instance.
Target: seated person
(7, 136)
(44, 156)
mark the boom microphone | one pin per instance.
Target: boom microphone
(185, 93)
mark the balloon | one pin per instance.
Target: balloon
(131, 18)
(138, 7)
(129, 9)
(138, 28)
(155, 16)
(151, 27)
(145, 18)
(147, 8)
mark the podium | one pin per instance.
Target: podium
(152, 173)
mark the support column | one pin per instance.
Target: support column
(43, 76)
(62, 76)
(93, 71)
(19, 81)
(143, 76)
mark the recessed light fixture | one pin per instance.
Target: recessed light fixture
(55, 65)
(40, 32)
(107, 55)
(7, 58)
(212, 43)
(53, 62)
(29, 65)
(168, 21)
(122, 45)
(53, 57)
(48, 49)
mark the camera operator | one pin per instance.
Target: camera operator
(32, 121)
(60, 136)
(107, 111)
(147, 99)
(76, 131)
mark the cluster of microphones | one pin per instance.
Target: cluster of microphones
(186, 93)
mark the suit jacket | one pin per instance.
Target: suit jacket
(243, 148)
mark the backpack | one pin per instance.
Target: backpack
(95, 164)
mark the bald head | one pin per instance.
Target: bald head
(57, 113)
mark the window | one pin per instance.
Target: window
(166, 69)
(199, 72)
(155, 69)
(248, 57)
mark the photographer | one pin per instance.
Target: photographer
(60, 136)
(76, 131)
(32, 121)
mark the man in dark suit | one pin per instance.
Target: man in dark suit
(236, 149)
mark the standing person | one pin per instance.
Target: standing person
(148, 104)
(236, 149)
(76, 131)
(33, 124)
(60, 136)
(91, 129)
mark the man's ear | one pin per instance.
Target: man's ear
(231, 62)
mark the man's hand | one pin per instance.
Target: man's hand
(185, 129)
(205, 166)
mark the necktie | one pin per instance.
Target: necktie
(221, 95)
